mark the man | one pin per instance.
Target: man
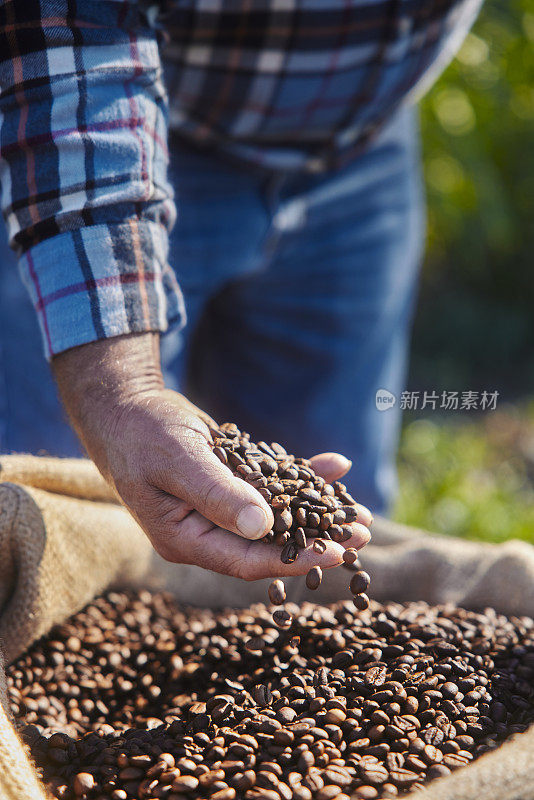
(293, 154)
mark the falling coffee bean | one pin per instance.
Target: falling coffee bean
(361, 601)
(314, 578)
(359, 583)
(277, 592)
(350, 556)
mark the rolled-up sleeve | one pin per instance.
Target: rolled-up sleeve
(83, 168)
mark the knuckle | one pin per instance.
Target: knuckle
(214, 497)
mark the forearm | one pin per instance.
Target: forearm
(84, 186)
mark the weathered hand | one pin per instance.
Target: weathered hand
(153, 445)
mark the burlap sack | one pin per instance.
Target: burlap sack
(56, 553)
(64, 539)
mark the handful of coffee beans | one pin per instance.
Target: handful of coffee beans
(305, 507)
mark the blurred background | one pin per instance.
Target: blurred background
(472, 473)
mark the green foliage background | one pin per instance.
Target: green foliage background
(472, 475)
(475, 320)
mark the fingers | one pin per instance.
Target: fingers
(268, 565)
(203, 482)
(364, 515)
(331, 466)
(360, 536)
(196, 541)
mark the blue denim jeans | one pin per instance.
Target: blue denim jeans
(299, 292)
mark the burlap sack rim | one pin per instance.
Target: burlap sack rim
(71, 477)
(22, 585)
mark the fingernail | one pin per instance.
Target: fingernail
(251, 522)
(348, 463)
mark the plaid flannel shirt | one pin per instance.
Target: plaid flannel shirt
(286, 84)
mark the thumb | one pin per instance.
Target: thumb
(210, 487)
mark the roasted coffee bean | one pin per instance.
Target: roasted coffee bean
(242, 781)
(328, 792)
(338, 515)
(277, 593)
(289, 552)
(313, 781)
(313, 519)
(327, 519)
(456, 760)
(314, 578)
(311, 495)
(361, 601)
(376, 676)
(283, 520)
(301, 792)
(403, 778)
(184, 783)
(351, 513)
(262, 695)
(319, 546)
(359, 583)
(280, 501)
(256, 643)
(335, 532)
(365, 792)
(220, 452)
(374, 774)
(337, 775)
(347, 533)
(300, 516)
(300, 538)
(83, 783)
(434, 736)
(350, 556)
(282, 618)
(281, 539)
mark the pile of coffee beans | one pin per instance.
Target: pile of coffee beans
(136, 698)
(304, 505)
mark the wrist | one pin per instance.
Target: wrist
(99, 380)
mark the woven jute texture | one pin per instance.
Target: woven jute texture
(64, 539)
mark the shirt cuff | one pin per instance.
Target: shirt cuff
(102, 281)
